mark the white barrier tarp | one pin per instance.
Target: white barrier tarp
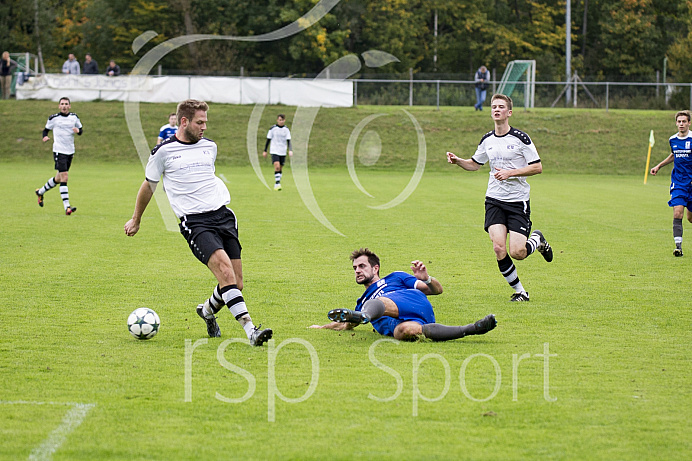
(229, 90)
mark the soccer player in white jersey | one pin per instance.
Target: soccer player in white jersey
(279, 136)
(512, 158)
(65, 125)
(681, 176)
(199, 198)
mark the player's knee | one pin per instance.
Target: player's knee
(499, 249)
(407, 331)
(518, 253)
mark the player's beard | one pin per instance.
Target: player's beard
(366, 280)
(192, 136)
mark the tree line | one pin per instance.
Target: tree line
(615, 40)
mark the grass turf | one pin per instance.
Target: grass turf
(613, 306)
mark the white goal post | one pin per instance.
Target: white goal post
(519, 79)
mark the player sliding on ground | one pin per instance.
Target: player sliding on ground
(397, 305)
(199, 199)
(512, 158)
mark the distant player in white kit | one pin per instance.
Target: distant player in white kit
(512, 158)
(65, 125)
(279, 136)
(199, 199)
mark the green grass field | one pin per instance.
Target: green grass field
(612, 311)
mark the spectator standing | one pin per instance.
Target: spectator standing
(482, 78)
(113, 69)
(6, 68)
(90, 65)
(71, 66)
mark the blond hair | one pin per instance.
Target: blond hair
(189, 108)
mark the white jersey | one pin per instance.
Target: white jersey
(63, 136)
(188, 175)
(279, 136)
(508, 152)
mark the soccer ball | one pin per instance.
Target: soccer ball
(143, 323)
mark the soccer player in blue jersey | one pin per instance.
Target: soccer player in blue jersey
(513, 157)
(681, 176)
(279, 136)
(397, 305)
(168, 130)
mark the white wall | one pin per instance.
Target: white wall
(229, 90)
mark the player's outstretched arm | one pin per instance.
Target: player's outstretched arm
(427, 284)
(466, 164)
(663, 163)
(339, 326)
(146, 191)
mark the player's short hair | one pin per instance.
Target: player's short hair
(504, 97)
(686, 113)
(373, 259)
(172, 114)
(189, 108)
(64, 98)
(281, 116)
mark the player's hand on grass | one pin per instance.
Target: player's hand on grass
(131, 228)
(46, 139)
(264, 154)
(290, 153)
(654, 170)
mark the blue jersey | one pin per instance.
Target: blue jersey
(167, 131)
(681, 148)
(412, 303)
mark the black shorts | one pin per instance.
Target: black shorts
(207, 232)
(62, 162)
(516, 216)
(279, 158)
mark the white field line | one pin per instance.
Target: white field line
(72, 419)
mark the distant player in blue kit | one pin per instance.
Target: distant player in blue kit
(65, 125)
(169, 129)
(279, 136)
(397, 305)
(681, 176)
(512, 157)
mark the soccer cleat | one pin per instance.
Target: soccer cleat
(347, 316)
(485, 324)
(544, 247)
(277, 186)
(212, 327)
(70, 209)
(519, 297)
(259, 337)
(40, 198)
(677, 252)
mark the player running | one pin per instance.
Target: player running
(680, 177)
(397, 305)
(512, 158)
(65, 125)
(199, 199)
(279, 136)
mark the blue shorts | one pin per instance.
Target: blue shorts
(413, 307)
(680, 195)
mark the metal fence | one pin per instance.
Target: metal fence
(602, 95)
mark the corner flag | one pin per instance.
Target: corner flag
(648, 156)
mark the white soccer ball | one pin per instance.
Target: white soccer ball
(143, 323)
